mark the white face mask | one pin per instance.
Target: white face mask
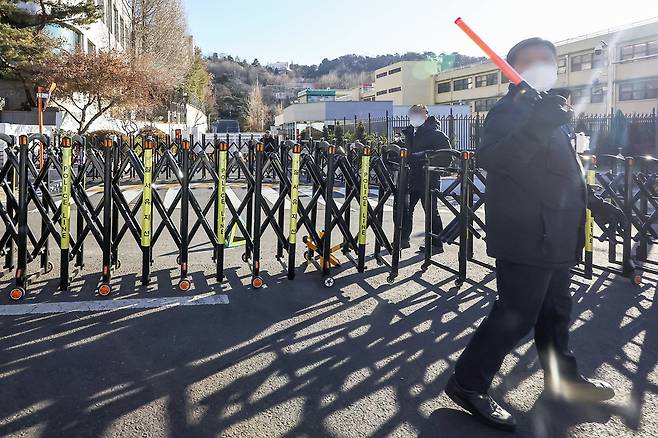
(417, 120)
(541, 76)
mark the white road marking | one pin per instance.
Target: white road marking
(272, 195)
(233, 197)
(131, 195)
(119, 304)
(308, 192)
(373, 204)
(169, 197)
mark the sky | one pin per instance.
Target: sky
(306, 31)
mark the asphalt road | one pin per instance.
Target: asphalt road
(364, 358)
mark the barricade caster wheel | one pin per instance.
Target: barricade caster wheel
(379, 262)
(423, 267)
(104, 290)
(178, 260)
(184, 285)
(257, 282)
(245, 258)
(329, 282)
(17, 294)
(390, 280)
(459, 282)
(49, 267)
(307, 256)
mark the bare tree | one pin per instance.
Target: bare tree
(257, 111)
(160, 30)
(89, 85)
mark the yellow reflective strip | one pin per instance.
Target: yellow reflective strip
(66, 198)
(589, 220)
(147, 198)
(591, 177)
(363, 212)
(294, 198)
(221, 198)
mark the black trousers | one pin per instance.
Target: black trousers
(528, 297)
(408, 217)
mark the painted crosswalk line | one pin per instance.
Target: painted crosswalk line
(120, 304)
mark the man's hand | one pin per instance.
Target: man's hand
(551, 111)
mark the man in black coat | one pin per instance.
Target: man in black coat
(269, 142)
(536, 198)
(422, 135)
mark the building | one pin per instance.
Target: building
(606, 71)
(364, 92)
(311, 96)
(280, 67)
(405, 83)
(113, 31)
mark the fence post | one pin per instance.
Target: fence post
(220, 211)
(147, 210)
(388, 132)
(21, 264)
(65, 221)
(627, 241)
(46, 265)
(294, 201)
(104, 288)
(451, 127)
(184, 284)
(256, 280)
(80, 221)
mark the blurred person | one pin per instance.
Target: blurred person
(422, 135)
(536, 199)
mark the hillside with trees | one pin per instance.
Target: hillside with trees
(235, 80)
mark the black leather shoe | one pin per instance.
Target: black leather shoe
(579, 389)
(482, 406)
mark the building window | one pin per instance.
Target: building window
(381, 75)
(484, 105)
(637, 90)
(101, 8)
(394, 90)
(597, 95)
(116, 24)
(486, 80)
(122, 31)
(562, 65)
(395, 70)
(503, 78)
(108, 15)
(588, 95)
(581, 62)
(91, 47)
(443, 87)
(588, 61)
(380, 93)
(463, 84)
(639, 50)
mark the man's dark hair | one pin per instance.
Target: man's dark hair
(536, 41)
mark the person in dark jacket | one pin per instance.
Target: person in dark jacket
(422, 135)
(535, 206)
(269, 142)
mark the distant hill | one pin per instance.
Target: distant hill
(234, 77)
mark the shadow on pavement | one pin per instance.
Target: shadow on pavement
(299, 360)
